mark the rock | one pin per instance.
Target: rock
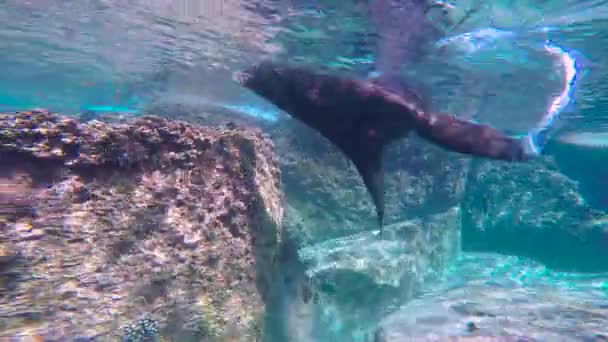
(420, 249)
(346, 285)
(117, 225)
(497, 298)
(533, 210)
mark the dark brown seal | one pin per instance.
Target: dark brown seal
(361, 117)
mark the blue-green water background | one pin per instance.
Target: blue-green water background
(69, 56)
(129, 56)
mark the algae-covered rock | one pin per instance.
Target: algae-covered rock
(533, 210)
(107, 224)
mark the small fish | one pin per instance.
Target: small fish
(361, 117)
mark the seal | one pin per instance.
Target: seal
(361, 117)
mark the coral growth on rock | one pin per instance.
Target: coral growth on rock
(103, 224)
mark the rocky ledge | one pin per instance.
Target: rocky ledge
(162, 222)
(357, 279)
(533, 210)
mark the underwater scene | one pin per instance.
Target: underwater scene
(303, 170)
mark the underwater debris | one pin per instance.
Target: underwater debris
(144, 330)
(471, 327)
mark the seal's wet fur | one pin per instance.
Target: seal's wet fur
(361, 117)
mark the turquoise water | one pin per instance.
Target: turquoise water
(101, 58)
(505, 64)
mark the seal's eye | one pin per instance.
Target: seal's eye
(241, 77)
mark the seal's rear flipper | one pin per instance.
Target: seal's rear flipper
(369, 162)
(470, 138)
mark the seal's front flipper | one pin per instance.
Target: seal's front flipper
(359, 117)
(368, 160)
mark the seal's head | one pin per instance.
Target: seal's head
(242, 77)
(280, 84)
(262, 79)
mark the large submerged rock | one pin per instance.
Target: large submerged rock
(105, 224)
(354, 281)
(406, 252)
(533, 210)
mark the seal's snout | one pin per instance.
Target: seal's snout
(241, 77)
